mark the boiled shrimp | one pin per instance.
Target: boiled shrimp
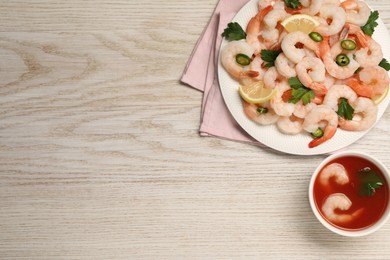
(271, 32)
(270, 77)
(339, 72)
(342, 202)
(228, 59)
(268, 118)
(284, 66)
(293, 53)
(257, 65)
(301, 110)
(370, 82)
(254, 29)
(335, 171)
(317, 116)
(337, 16)
(357, 11)
(289, 125)
(364, 117)
(281, 107)
(352, 30)
(311, 72)
(336, 92)
(370, 55)
(311, 7)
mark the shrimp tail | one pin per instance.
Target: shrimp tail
(324, 47)
(348, 4)
(251, 73)
(363, 39)
(254, 24)
(329, 133)
(265, 11)
(361, 90)
(318, 99)
(344, 33)
(318, 88)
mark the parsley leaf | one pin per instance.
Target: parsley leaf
(294, 82)
(371, 23)
(299, 92)
(345, 110)
(369, 182)
(294, 4)
(384, 64)
(270, 57)
(234, 32)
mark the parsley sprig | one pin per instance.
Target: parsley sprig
(371, 23)
(294, 4)
(269, 56)
(345, 110)
(369, 182)
(300, 92)
(384, 64)
(234, 32)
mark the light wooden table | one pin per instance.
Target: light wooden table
(100, 156)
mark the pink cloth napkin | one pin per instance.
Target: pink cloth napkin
(201, 74)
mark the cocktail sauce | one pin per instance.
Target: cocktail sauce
(373, 206)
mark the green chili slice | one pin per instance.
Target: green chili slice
(318, 133)
(342, 59)
(243, 60)
(262, 110)
(348, 45)
(315, 36)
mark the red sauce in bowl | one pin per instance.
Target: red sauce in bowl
(373, 206)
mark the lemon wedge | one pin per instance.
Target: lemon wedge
(256, 92)
(300, 22)
(378, 99)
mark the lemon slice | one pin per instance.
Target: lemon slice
(378, 99)
(300, 22)
(256, 92)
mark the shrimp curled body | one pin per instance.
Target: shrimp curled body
(270, 33)
(357, 11)
(293, 53)
(285, 67)
(268, 118)
(370, 82)
(228, 59)
(336, 171)
(316, 116)
(342, 202)
(289, 125)
(281, 107)
(338, 72)
(336, 92)
(364, 117)
(338, 17)
(311, 71)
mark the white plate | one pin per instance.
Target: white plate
(270, 135)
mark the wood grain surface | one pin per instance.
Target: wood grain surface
(100, 156)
